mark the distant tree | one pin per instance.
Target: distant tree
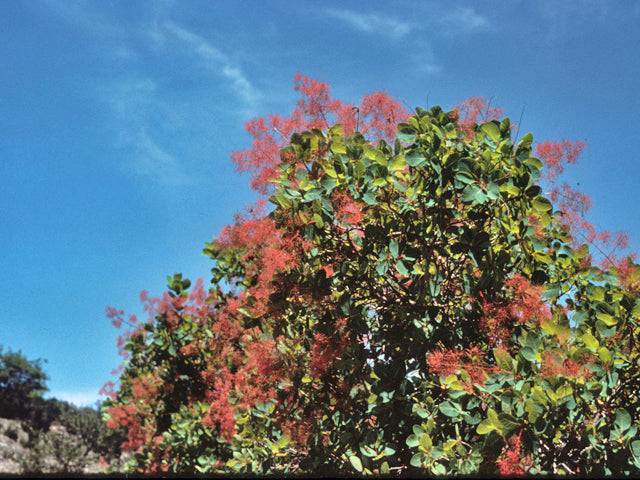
(83, 435)
(86, 423)
(22, 383)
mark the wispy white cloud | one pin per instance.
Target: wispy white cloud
(241, 85)
(372, 23)
(394, 29)
(152, 160)
(135, 106)
(465, 20)
(425, 60)
(220, 63)
(199, 45)
(459, 21)
(562, 19)
(145, 113)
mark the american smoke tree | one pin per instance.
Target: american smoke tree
(412, 301)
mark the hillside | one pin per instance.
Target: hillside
(24, 450)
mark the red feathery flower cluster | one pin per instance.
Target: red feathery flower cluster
(126, 416)
(511, 463)
(526, 304)
(325, 350)
(555, 154)
(472, 111)
(381, 115)
(527, 301)
(347, 209)
(628, 272)
(145, 388)
(265, 252)
(470, 360)
(555, 364)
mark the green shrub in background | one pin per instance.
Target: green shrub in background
(22, 383)
(62, 438)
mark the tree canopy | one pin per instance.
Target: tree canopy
(21, 382)
(411, 301)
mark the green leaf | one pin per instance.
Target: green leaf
(416, 460)
(491, 423)
(485, 427)
(367, 451)
(526, 140)
(412, 441)
(635, 448)
(563, 391)
(379, 182)
(449, 409)
(400, 266)
(491, 130)
(317, 219)
(338, 147)
(425, 442)
(415, 159)
(393, 248)
(355, 461)
(533, 410)
(623, 419)
(492, 191)
(503, 359)
(493, 416)
(398, 163)
(590, 341)
(382, 268)
(534, 163)
(406, 133)
(312, 195)
(464, 178)
(528, 354)
(473, 194)
(422, 413)
(607, 319)
(510, 189)
(369, 198)
(375, 155)
(541, 205)
(336, 130)
(417, 269)
(597, 293)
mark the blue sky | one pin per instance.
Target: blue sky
(117, 119)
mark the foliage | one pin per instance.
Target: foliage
(86, 423)
(54, 451)
(412, 303)
(71, 440)
(22, 383)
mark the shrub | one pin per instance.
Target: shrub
(55, 451)
(412, 303)
(86, 423)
